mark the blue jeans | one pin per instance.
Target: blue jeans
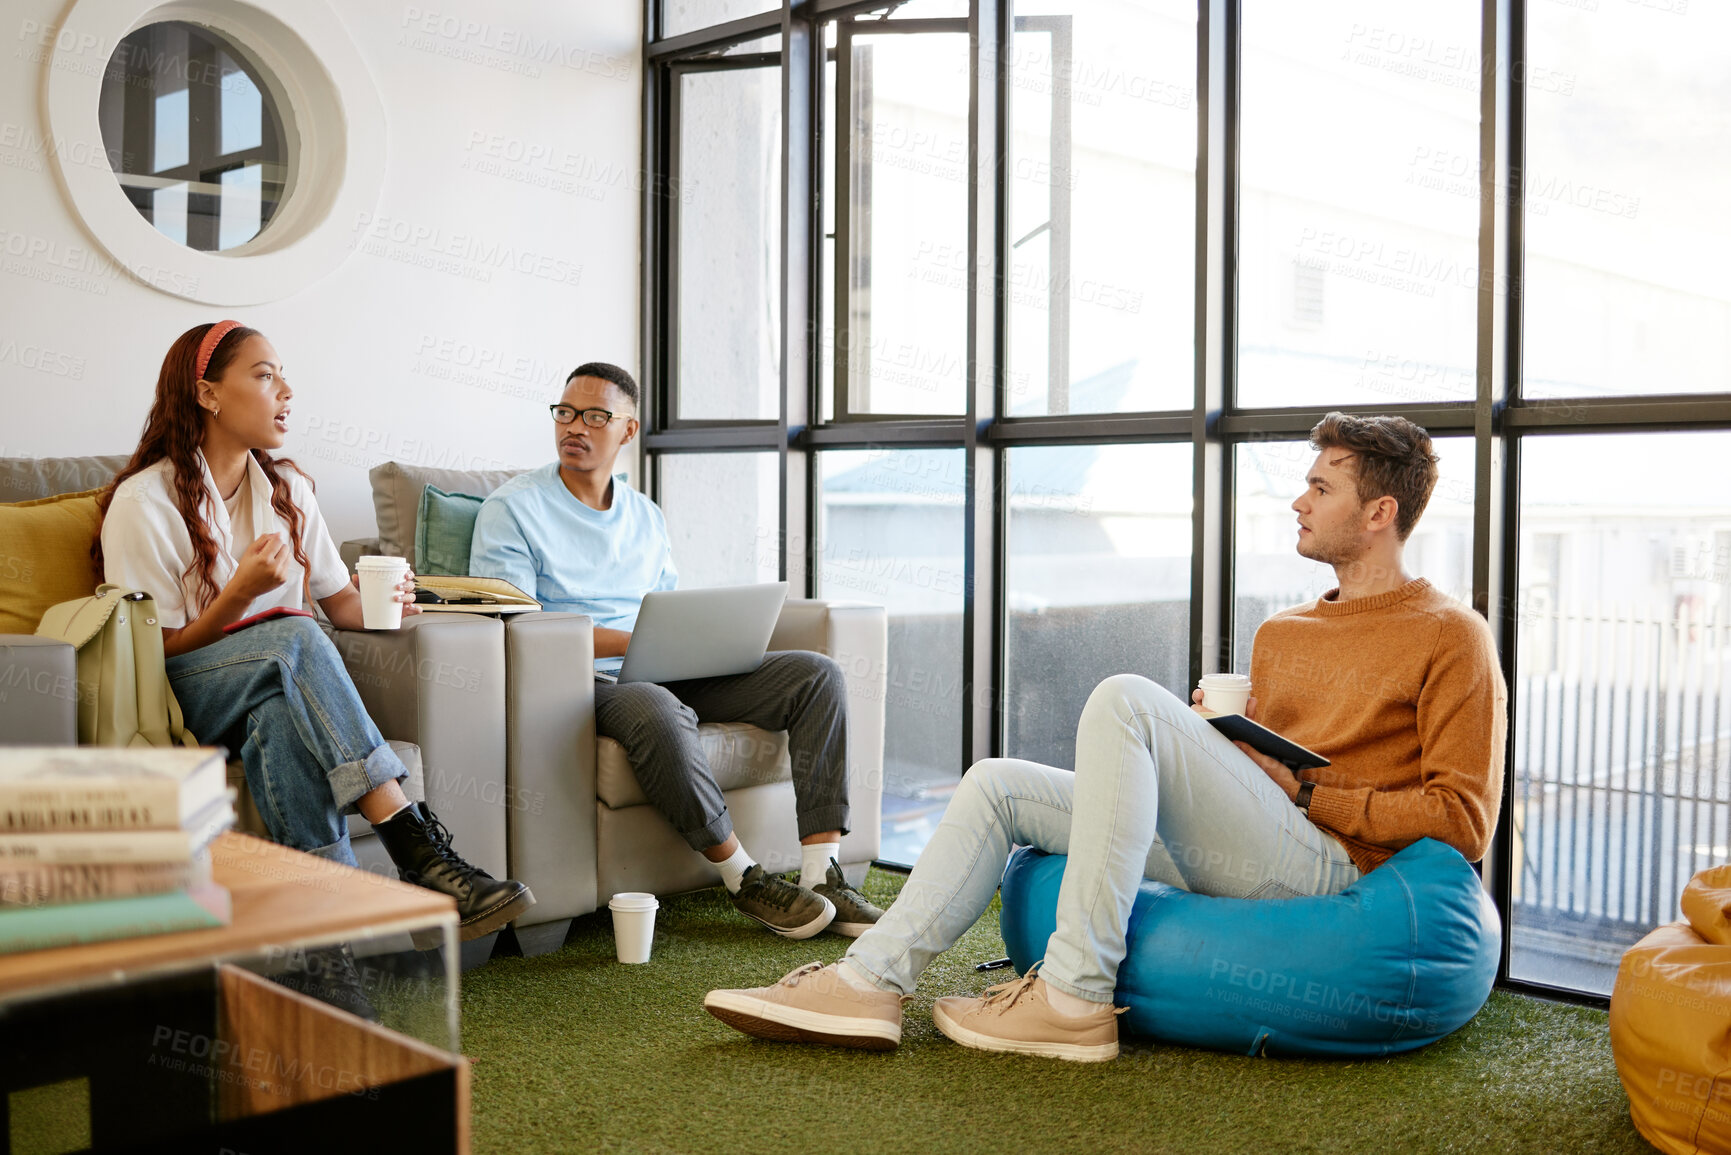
(279, 694)
(1157, 793)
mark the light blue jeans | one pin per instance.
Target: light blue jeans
(279, 693)
(1157, 793)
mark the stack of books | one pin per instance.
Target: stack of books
(102, 843)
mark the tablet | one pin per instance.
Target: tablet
(1265, 741)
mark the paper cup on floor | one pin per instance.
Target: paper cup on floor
(633, 925)
(1225, 693)
(380, 577)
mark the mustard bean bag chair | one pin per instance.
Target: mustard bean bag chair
(1671, 1023)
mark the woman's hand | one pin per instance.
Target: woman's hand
(406, 593)
(263, 567)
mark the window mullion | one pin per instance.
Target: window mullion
(800, 56)
(1495, 511)
(1216, 335)
(982, 608)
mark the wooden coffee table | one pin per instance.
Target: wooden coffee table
(282, 899)
(175, 1027)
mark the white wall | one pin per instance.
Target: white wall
(492, 153)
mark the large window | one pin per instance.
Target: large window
(890, 532)
(1034, 304)
(723, 516)
(1102, 209)
(1628, 200)
(1359, 202)
(1098, 583)
(903, 291)
(728, 363)
(1622, 745)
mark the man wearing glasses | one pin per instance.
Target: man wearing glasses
(584, 543)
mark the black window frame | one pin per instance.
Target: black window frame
(206, 163)
(1497, 418)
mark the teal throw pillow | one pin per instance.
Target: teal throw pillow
(443, 530)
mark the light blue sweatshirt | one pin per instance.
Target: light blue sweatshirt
(538, 537)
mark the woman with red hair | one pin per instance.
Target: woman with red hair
(218, 530)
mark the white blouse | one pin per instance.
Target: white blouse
(146, 546)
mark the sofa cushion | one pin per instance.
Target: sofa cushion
(443, 531)
(397, 497)
(28, 478)
(739, 755)
(45, 558)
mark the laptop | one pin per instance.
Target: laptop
(703, 633)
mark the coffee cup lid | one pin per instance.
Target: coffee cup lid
(380, 561)
(632, 900)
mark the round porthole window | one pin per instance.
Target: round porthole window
(194, 130)
(222, 151)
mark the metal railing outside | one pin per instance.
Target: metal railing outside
(1622, 771)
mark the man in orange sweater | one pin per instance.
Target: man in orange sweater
(1395, 684)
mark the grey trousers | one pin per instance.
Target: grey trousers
(800, 692)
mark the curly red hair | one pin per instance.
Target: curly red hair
(174, 429)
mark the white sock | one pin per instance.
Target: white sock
(1066, 1003)
(814, 861)
(733, 868)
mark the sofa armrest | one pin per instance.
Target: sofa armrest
(550, 761)
(38, 691)
(439, 682)
(856, 636)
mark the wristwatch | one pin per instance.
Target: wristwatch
(1303, 799)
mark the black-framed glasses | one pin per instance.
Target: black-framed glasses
(593, 418)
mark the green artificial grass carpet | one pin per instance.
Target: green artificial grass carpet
(576, 1052)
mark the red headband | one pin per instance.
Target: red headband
(211, 340)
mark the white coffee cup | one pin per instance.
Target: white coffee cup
(633, 924)
(1225, 693)
(380, 577)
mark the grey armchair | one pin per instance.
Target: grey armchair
(577, 827)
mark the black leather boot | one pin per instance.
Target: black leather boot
(421, 847)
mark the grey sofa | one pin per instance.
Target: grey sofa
(502, 713)
(425, 717)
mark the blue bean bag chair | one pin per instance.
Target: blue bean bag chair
(1400, 958)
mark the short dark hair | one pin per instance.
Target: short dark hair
(612, 374)
(1394, 460)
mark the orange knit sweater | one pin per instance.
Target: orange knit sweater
(1402, 693)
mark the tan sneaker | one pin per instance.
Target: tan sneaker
(813, 1004)
(1016, 1017)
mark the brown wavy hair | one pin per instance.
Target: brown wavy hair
(174, 429)
(1394, 459)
